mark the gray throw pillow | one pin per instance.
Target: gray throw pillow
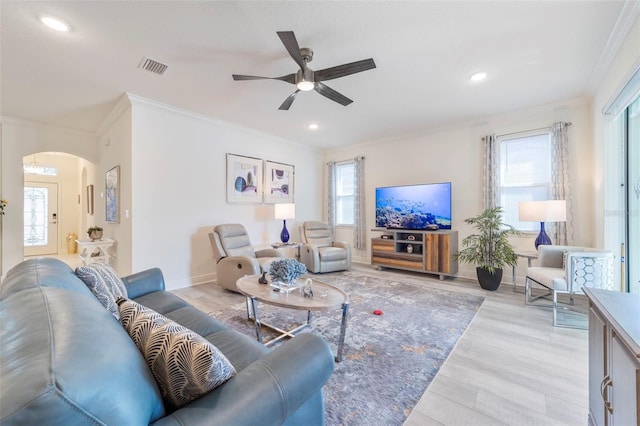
(184, 364)
(105, 283)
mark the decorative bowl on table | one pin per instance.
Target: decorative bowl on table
(284, 275)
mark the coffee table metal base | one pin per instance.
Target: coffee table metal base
(253, 315)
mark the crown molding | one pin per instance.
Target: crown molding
(626, 19)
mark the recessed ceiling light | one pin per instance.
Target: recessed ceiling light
(313, 126)
(55, 23)
(478, 76)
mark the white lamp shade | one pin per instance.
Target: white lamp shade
(542, 211)
(285, 211)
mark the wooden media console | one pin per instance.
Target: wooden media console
(421, 251)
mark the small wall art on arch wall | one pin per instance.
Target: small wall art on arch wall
(89, 199)
(112, 194)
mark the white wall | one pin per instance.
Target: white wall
(455, 154)
(21, 138)
(178, 189)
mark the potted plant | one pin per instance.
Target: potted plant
(95, 233)
(489, 247)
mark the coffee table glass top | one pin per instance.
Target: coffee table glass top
(334, 298)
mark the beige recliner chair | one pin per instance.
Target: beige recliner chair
(319, 252)
(236, 257)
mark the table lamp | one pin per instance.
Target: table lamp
(285, 211)
(542, 211)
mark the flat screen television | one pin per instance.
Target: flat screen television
(424, 206)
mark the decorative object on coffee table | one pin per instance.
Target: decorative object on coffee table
(284, 273)
(489, 247)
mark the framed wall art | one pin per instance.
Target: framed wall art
(89, 199)
(244, 179)
(112, 194)
(278, 182)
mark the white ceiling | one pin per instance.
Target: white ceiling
(535, 52)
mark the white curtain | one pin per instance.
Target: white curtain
(491, 184)
(331, 195)
(359, 231)
(562, 232)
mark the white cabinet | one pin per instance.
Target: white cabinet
(614, 358)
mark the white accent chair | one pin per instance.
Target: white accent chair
(236, 257)
(319, 252)
(566, 270)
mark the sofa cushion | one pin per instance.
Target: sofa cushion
(105, 284)
(552, 278)
(184, 364)
(330, 254)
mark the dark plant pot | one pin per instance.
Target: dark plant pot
(487, 280)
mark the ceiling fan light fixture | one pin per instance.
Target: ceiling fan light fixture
(305, 85)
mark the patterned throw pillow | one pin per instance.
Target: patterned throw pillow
(105, 283)
(184, 364)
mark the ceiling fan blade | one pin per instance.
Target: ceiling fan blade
(328, 92)
(238, 77)
(291, 44)
(289, 78)
(287, 102)
(344, 70)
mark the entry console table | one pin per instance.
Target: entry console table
(614, 358)
(94, 251)
(421, 251)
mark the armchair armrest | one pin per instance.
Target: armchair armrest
(589, 269)
(144, 282)
(269, 252)
(268, 391)
(243, 265)
(310, 256)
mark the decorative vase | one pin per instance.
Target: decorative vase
(489, 281)
(263, 279)
(95, 235)
(409, 248)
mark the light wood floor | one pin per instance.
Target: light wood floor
(511, 366)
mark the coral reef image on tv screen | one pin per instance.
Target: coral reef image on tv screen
(425, 206)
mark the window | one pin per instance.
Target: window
(344, 193)
(525, 174)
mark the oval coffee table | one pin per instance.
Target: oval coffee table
(254, 291)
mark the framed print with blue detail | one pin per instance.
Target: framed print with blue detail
(244, 179)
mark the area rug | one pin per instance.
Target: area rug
(389, 359)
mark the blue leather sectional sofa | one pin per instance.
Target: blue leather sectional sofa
(65, 360)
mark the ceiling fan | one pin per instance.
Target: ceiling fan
(305, 78)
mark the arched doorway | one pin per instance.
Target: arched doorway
(56, 206)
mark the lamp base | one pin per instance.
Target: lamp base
(542, 238)
(284, 235)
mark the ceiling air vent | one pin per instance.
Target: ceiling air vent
(153, 66)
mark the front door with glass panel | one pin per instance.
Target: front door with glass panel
(40, 218)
